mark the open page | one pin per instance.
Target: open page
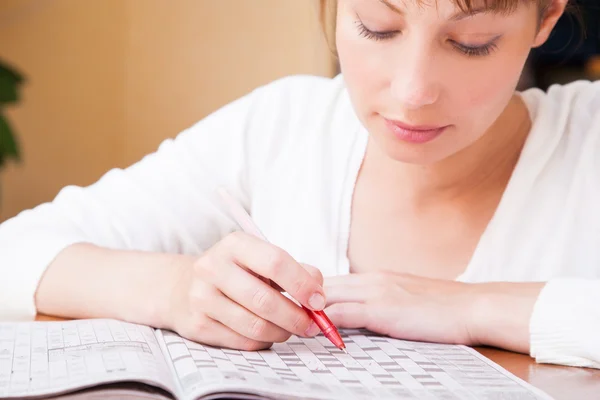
(376, 367)
(41, 358)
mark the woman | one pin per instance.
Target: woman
(440, 204)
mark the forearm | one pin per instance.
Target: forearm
(502, 314)
(85, 281)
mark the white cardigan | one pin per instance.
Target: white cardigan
(290, 151)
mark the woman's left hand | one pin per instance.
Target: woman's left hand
(433, 310)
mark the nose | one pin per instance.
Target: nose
(415, 82)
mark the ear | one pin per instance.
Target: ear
(554, 11)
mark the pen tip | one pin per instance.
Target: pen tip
(345, 351)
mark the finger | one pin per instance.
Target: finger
(354, 288)
(358, 315)
(261, 299)
(314, 272)
(349, 315)
(214, 333)
(377, 278)
(274, 263)
(244, 322)
(357, 279)
(349, 293)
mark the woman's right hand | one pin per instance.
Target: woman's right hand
(221, 302)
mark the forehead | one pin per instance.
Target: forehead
(466, 6)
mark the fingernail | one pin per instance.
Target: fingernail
(317, 301)
(312, 330)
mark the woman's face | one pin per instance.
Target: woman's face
(427, 80)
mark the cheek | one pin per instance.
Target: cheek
(351, 59)
(360, 63)
(490, 87)
(356, 72)
(365, 82)
(485, 94)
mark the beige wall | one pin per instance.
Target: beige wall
(109, 79)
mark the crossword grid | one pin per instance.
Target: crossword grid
(49, 355)
(376, 365)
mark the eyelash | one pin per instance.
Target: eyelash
(374, 35)
(470, 51)
(477, 51)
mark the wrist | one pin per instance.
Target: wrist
(500, 314)
(168, 290)
(153, 282)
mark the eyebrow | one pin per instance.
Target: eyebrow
(460, 15)
(392, 7)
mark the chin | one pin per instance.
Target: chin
(410, 153)
(412, 156)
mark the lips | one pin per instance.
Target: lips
(414, 133)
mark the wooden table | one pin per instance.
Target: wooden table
(562, 383)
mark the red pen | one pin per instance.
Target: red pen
(245, 222)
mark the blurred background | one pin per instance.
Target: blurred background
(572, 51)
(105, 81)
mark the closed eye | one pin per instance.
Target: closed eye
(374, 35)
(468, 50)
(475, 51)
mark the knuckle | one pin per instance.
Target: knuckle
(200, 294)
(257, 327)
(233, 239)
(205, 265)
(276, 261)
(235, 244)
(200, 265)
(193, 298)
(193, 327)
(300, 285)
(318, 275)
(263, 300)
(313, 271)
(201, 323)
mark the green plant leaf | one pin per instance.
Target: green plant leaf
(8, 145)
(9, 82)
(8, 90)
(16, 76)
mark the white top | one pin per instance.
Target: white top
(290, 152)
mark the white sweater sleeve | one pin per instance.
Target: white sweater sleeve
(565, 324)
(163, 203)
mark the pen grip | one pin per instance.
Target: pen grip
(320, 318)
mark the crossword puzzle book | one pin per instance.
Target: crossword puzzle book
(93, 359)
